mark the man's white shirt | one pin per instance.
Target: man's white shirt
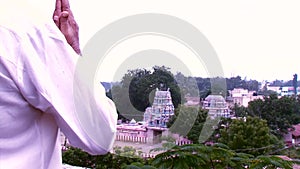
(38, 86)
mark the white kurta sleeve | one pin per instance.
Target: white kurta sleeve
(49, 83)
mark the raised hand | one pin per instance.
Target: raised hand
(64, 20)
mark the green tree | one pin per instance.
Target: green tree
(124, 107)
(240, 111)
(238, 82)
(136, 90)
(193, 156)
(292, 152)
(188, 121)
(120, 159)
(198, 156)
(195, 131)
(217, 156)
(203, 86)
(188, 85)
(280, 113)
(195, 124)
(218, 86)
(77, 157)
(249, 135)
(269, 162)
(183, 120)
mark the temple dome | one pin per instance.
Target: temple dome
(215, 101)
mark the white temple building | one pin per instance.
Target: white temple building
(216, 105)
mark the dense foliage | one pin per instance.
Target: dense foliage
(279, 113)
(144, 82)
(120, 159)
(249, 135)
(192, 156)
(189, 122)
(202, 87)
(136, 91)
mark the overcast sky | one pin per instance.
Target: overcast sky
(257, 39)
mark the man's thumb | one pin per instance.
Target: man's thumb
(64, 17)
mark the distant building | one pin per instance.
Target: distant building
(154, 125)
(293, 136)
(283, 90)
(241, 97)
(276, 89)
(161, 110)
(216, 105)
(288, 91)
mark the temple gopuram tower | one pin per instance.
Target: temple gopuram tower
(161, 110)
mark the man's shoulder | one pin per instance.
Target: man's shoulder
(21, 19)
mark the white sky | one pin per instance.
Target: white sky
(257, 39)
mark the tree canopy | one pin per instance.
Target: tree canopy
(249, 135)
(136, 90)
(198, 156)
(280, 113)
(190, 122)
